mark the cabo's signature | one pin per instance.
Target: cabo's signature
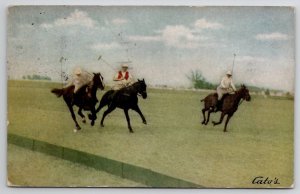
(265, 180)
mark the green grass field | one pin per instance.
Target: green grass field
(52, 171)
(259, 141)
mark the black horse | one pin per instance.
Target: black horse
(125, 98)
(85, 98)
(229, 106)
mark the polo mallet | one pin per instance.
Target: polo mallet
(100, 58)
(233, 63)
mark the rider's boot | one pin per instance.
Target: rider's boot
(218, 106)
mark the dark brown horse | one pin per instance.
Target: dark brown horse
(125, 98)
(229, 105)
(85, 98)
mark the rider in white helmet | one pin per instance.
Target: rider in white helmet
(80, 78)
(226, 86)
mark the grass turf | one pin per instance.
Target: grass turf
(259, 141)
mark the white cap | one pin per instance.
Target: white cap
(125, 65)
(78, 71)
(228, 73)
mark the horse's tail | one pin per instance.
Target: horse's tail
(105, 100)
(57, 92)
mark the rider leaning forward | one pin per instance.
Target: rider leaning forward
(226, 86)
(80, 78)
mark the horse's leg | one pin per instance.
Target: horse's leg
(227, 120)
(73, 116)
(110, 108)
(138, 110)
(128, 120)
(81, 114)
(94, 115)
(221, 119)
(204, 119)
(209, 111)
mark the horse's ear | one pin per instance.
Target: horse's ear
(143, 80)
(139, 80)
(94, 73)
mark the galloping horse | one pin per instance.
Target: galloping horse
(85, 98)
(229, 105)
(125, 98)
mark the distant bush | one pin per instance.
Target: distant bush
(36, 77)
(199, 82)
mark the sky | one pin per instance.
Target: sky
(164, 44)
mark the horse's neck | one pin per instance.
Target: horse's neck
(93, 89)
(238, 97)
(131, 88)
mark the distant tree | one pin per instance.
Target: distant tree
(267, 92)
(199, 81)
(36, 77)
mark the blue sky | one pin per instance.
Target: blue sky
(163, 43)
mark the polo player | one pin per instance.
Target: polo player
(226, 86)
(80, 78)
(123, 78)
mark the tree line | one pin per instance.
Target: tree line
(36, 77)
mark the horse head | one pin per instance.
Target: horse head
(142, 88)
(98, 81)
(245, 93)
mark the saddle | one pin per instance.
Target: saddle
(219, 104)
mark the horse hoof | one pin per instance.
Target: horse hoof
(83, 120)
(75, 130)
(102, 125)
(203, 122)
(145, 122)
(92, 123)
(131, 131)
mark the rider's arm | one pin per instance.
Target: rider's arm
(116, 78)
(232, 85)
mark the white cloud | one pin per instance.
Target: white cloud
(203, 24)
(250, 59)
(272, 36)
(79, 18)
(106, 46)
(144, 38)
(180, 36)
(119, 21)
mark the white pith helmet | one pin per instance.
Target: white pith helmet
(78, 71)
(229, 73)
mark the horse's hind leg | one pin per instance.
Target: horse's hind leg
(110, 108)
(209, 111)
(204, 119)
(138, 110)
(227, 120)
(82, 115)
(221, 119)
(73, 116)
(128, 120)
